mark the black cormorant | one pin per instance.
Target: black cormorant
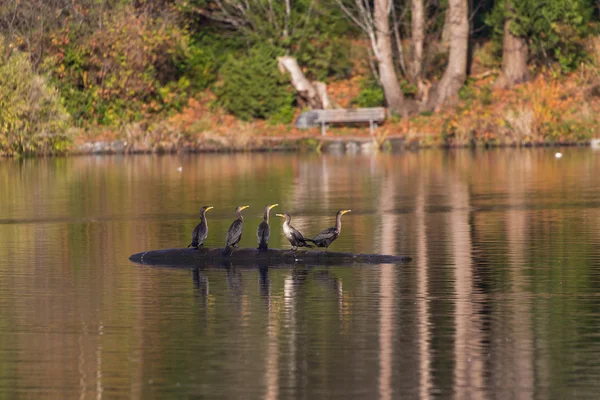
(201, 231)
(264, 231)
(327, 236)
(296, 239)
(234, 233)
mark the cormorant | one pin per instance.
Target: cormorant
(201, 231)
(296, 239)
(264, 231)
(327, 236)
(234, 233)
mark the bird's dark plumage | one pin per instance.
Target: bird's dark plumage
(264, 231)
(295, 238)
(234, 233)
(201, 231)
(327, 236)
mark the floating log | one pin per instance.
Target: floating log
(205, 256)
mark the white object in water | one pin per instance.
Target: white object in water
(180, 169)
(595, 143)
(558, 155)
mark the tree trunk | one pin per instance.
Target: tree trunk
(445, 42)
(387, 73)
(314, 93)
(514, 56)
(418, 36)
(456, 71)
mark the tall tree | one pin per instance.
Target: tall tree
(375, 23)
(456, 71)
(385, 60)
(418, 36)
(514, 54)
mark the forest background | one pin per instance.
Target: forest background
(173, 74)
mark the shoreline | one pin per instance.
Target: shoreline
(340, 144)
(327, 144)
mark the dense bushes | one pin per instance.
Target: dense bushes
(370, 95)
(554, 29)
(32, 117)
(251, 86)
(131, 68)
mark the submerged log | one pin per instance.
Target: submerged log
(192, 257)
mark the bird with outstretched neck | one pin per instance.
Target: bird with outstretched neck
(327, 236)
(234, 233)
(296, 239)
(264, 230)
(201, 230)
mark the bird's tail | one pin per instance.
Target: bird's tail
(190, 245)
(310, 240)
(227, 251)
(263, 246)
(307, 245)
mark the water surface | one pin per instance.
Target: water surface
(502, 299)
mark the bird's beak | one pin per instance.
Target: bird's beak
(273, 206)
(209, 208)
(243, 207)
(345, 211)
(280, 215)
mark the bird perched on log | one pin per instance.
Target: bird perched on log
(296, 239)
(201, 230)
(234, 233)
(327, 236)
(264, 231)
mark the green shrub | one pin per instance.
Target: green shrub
(554, 29)
(251, 86)
(316, 33)
(370, 95)
(325, 57)
(408, 89)
(199, 58)
(32, 117)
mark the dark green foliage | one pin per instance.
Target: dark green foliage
(370, 95)
(251, 86)
(316, 33)
(408, 89)
(554, 29)
(207, 51)
(325, 58)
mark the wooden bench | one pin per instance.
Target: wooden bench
(373, 116)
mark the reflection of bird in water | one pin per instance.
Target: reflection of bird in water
(296, 239)
(299, 275)
(200, 282)
(332, 284)
(264, 283)
(234, 234)
(201, 231)
(326, 279)
(234, 280)
(264, 231)
(327, 236)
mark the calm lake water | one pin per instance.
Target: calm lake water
(502, 299)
